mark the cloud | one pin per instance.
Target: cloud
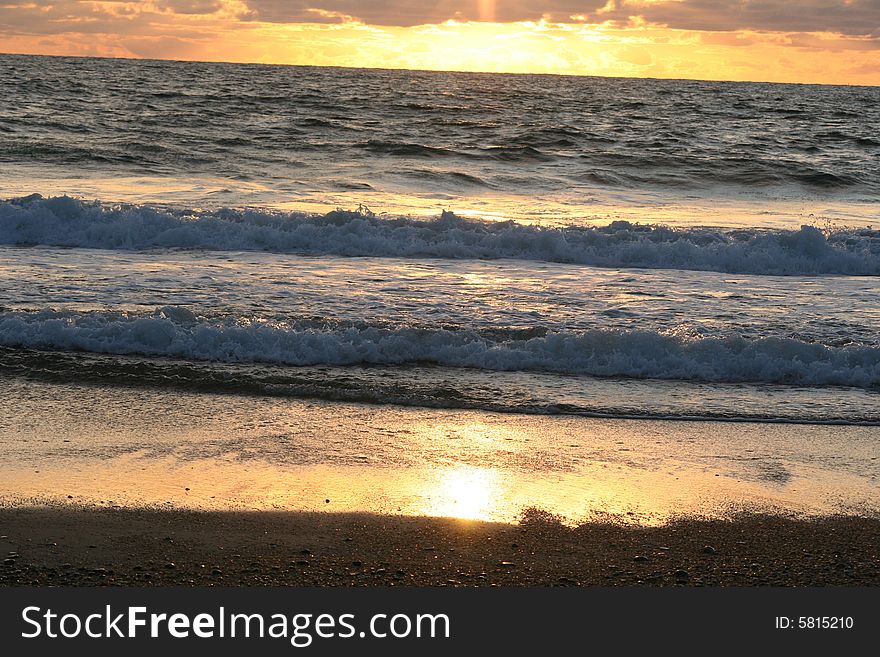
(190, 6)
(847, 17)
(850, 17)
(807, 40)
(49, 17)
(406, 13)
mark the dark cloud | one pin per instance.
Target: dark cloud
(406, 13)
(118, 17)
(852, 17)
(190, 6)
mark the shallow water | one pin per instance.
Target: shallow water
(116, 446)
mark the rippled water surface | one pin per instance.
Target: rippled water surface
(533, 148)
(535, 244)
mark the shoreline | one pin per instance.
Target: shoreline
(109, 446)
(90, 546)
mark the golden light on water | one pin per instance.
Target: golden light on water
(460, 491)
(465, 492)
(251, 454)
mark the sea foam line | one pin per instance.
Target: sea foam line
(64, 221)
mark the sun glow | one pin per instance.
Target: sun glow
(487, 10)
(464, 492)
(584, 45)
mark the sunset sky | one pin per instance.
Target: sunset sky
(828, 41)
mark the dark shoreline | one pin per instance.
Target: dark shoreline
(75, 546)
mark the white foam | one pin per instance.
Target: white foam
(638, 354)
(63, 221)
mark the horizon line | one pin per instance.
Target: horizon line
(432, 70)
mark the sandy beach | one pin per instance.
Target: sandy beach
(110, 485)
(102, 547)
(107, 485)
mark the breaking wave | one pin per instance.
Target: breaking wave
(64, 221)
(177, 332)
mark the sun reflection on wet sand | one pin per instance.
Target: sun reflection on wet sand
(212, 452)
(457, 491)
(464, 492)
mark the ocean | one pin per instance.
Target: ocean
(538, 244)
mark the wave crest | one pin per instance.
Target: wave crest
(64, 221)
(177, 332)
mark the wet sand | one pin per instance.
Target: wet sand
(87, 546)
(117, 486)
(155, 448)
